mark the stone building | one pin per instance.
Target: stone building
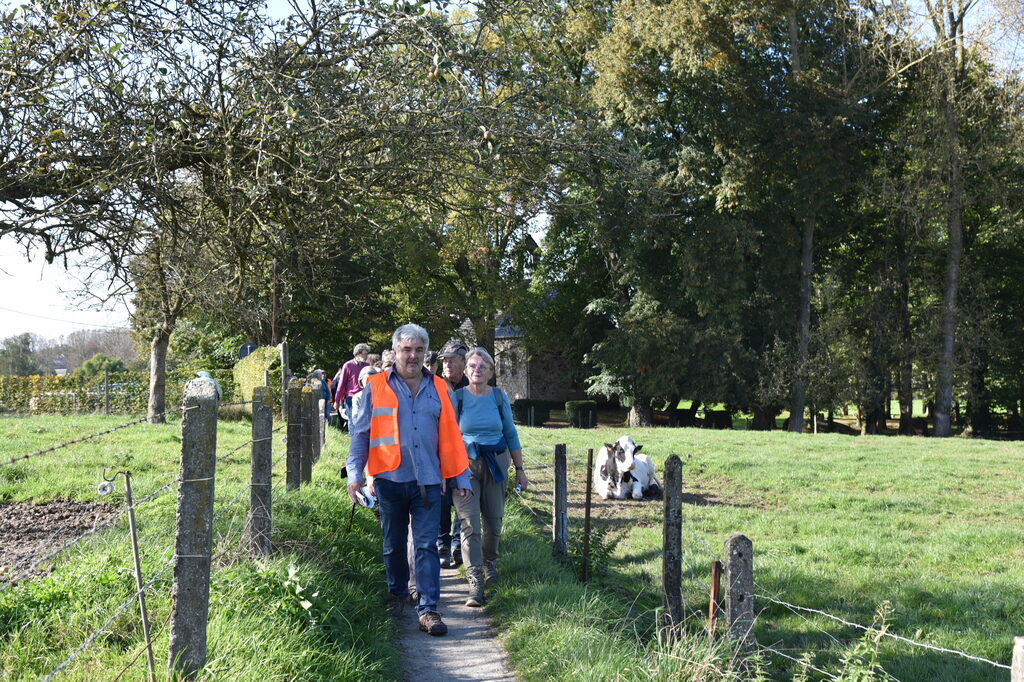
(542, 376)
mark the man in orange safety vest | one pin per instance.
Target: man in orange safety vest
(406, 436)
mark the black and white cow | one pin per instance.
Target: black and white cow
(620, 471)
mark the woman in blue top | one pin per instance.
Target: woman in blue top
(485, 419)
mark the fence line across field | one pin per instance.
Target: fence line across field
(884, 633)
(741, 622)
(262, 441)
(54, 448)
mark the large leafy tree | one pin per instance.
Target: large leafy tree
(752, 113)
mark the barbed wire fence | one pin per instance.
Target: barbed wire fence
(197, 445)
(739, 589)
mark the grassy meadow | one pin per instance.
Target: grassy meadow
(929, 532)
(269, 620)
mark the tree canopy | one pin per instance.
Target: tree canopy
(766, 205)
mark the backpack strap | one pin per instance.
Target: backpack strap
(498, 394)
(498, 401)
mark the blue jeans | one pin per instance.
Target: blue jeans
(448, 539)
(348, 411)
(401, 503)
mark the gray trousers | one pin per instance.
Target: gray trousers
(481, 514)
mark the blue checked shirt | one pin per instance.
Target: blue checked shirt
(418, 417)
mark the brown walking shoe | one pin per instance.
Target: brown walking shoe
(431, 623)
(396, 605)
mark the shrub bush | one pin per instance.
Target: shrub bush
(249, 373)
(521, 411)
(582, 414)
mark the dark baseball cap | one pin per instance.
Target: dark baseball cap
(453, 348)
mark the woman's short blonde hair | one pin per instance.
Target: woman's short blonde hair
(482, 353)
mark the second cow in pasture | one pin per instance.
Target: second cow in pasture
(620, 471)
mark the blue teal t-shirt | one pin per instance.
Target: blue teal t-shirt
(480, 421)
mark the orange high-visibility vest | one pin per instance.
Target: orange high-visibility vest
(386, 451)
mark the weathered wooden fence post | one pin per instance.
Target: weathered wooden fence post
(293, 458)
(106, 391)
(714, 598)
(306, 461)
(190, 593)
(560, 507)
(286, 375)
(739, 590)
(1017, 667)
(672, 547)
(586, 516)
(259, 492)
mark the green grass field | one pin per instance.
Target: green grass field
(839, 524)
(929, 530)
(313, 611)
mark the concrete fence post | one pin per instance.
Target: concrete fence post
(306, 457)
(193, 542)
(286, 375)
(293, 458)
(1017, 667)
(560, 507)
(672, 547)
(259, 492)
(739, 590)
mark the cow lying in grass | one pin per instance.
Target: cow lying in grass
(620, 471)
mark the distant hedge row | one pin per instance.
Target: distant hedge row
(581, 413)
(129, 392)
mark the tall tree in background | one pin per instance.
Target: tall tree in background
(951, 61)
(754, 113)
(17, 355)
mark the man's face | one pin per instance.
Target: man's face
(409, 355)
(454, 368)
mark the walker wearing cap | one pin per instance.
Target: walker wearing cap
(453, 348)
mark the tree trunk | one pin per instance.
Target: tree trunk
(796, 420)
(954, 226)
(157, 376)
(764, 419)
(905, 391)
(977, 401)
(640, 415)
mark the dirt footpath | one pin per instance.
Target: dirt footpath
(470, 650)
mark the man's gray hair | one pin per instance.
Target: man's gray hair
(413, 332)
(360, 349)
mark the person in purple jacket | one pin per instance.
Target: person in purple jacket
(348, 379)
